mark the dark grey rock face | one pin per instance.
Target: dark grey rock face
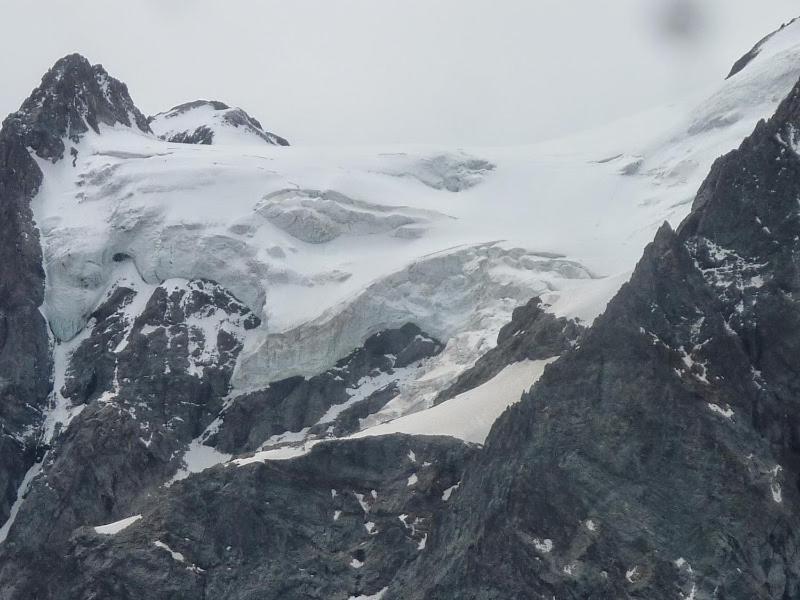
(204, 134)
(297, 403)
(24, 346)
(660, 458)
(182, 347)
(73, 97)
(150, 382)
(334, 524)
(532, 334)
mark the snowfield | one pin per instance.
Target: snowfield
(331, 245)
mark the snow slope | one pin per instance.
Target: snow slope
(331, 245)
(468, 416)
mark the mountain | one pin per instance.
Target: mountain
(73, 98)
(238, 371)
(659, 459)
(210, 122)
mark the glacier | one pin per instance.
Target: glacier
(331, 245)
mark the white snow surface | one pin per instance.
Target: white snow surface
(22, 491)
(176, 556)
(470, 415)
(331, 245)
(117, 526)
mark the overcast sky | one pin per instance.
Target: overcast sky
(460, 72)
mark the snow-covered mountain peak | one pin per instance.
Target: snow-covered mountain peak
(783, 38)
(211, 122)
(73, 98)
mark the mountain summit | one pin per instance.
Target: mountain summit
(73, 98)
(210, 122)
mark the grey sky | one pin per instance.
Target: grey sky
(394, 71)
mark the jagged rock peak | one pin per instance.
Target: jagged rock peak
(74, 97)
(208, 122)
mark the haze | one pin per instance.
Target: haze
(449, 72)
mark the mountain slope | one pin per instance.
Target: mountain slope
(660, 458)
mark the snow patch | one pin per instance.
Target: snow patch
(199, 457)
(363, 503)
(632, 574)
(117, 526)
(449, 491)
(176, 556)
(726, 412)
(775, 486)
